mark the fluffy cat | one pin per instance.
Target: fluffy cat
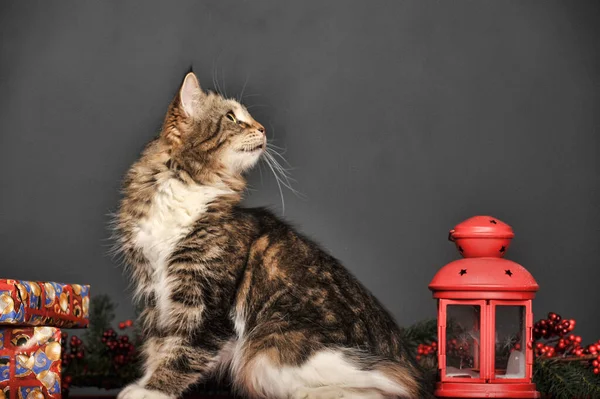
(233, 290)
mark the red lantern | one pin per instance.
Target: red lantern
(485, 320)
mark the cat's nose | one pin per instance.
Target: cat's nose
(260, 128)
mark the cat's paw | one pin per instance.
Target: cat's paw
(135, 391)
(318, 393)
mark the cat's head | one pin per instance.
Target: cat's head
(208, 134)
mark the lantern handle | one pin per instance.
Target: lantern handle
(450, 238)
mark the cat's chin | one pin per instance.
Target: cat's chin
(243, 160)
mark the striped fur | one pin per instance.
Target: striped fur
(228, 290)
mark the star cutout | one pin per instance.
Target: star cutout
(463, 272)
(508, 273)
(493, 221)
(502, 249)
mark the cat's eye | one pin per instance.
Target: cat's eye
(231, 117)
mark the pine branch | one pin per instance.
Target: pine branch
(565, 380)
(420, 333)
(570, 358)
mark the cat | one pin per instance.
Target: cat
(232, 290)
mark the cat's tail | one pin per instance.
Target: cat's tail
(414, 383)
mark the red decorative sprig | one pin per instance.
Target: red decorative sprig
(424, 350)
(559, 342)
(120, 348)
(72, 351)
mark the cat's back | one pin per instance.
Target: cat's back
(299, 314)
(320, 290)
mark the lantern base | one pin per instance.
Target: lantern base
(477, 391)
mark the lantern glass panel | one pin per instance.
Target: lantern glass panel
(462, 341)
(510, 344)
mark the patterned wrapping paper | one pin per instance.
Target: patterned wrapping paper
(30, 360)
(31, 303)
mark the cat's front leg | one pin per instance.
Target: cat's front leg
(181, 347)
(172, 364)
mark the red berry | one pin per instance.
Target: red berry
(122, 325)
(597, 370)
(128, 323)
(595, 363)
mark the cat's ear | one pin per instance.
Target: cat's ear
(189, 94)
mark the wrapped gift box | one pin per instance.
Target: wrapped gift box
(36, 303)
(30, 360)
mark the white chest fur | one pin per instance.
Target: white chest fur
(174, 209)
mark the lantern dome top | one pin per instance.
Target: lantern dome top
(483, 274)
(483, 241)
(482, 226)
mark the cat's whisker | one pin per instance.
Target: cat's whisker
(274, 152)
(283, 170)
(278, 184)
(271, 145)
(285, 179)
(223, 80)
(277, 166)
(283, 176)
(257, 105)
(216, 79)
(241, 96)
(251, 95)
(260, 172)
(272, 129)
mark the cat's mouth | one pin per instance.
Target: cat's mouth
(260, 146)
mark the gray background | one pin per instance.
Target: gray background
(400, 120)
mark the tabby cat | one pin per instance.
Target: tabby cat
(227, 289)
